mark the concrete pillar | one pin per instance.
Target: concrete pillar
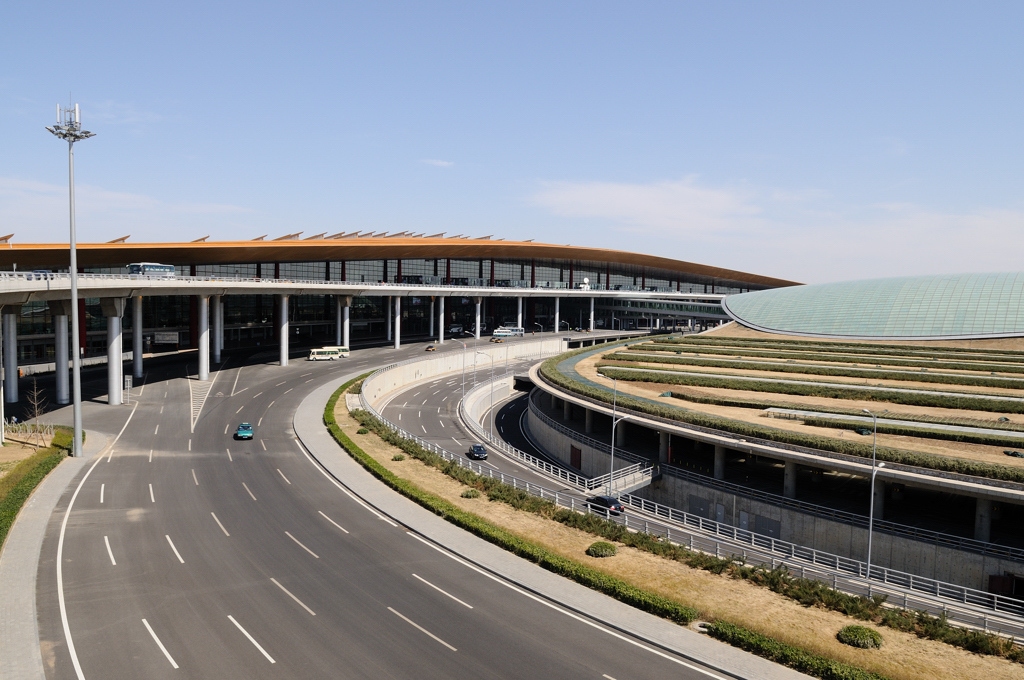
(204, 337)
(476, 331)
(60, 310)
(215, 309)
(719, 461)
(10, 343)
(346, 301)
(983, 520)
(338, 305)
(440, 321)
(556, 315)
(282, 328)
(664, 441)
(136, 337)
(878, 498)
(519, 312)
(220, 327)
(113, 309)
(566, 409)
(398, 322)
(430, 333)
(789, 480)
(387, 318)
(620, 433)
(589, 421)
(554, 402)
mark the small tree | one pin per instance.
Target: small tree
(36, 408)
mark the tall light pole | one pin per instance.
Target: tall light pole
(491, 359)
(615, 422)
(463, 368)
(69, 128)
(874, 471)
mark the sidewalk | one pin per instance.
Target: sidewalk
(657, 632)
(20, 657)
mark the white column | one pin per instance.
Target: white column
(387, 317)
(430, 333)
(556, 315)
(115, 384)
(345, 320)
(215, 309)
(220, 327)
(204, 337)
(398, 322)
(61, 341)
(10, 343)
(440, 321)
(519, 312)
(591, 314)
(338, 306)
(282, 328)
(789, 479)
(136, 337)
(476, 331)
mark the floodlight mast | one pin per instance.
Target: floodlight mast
(69, 127)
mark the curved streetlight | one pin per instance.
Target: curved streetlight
(491, 359)
(69, 127)
(871, 496)
(615, 422)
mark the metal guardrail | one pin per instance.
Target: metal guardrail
(965, 606)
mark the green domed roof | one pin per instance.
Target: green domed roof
(916, 307)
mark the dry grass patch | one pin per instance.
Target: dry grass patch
(13, 452)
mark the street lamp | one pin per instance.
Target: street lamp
(491, 359)
(463, 368)
(69, 127)
(874, 471)
(615, 422)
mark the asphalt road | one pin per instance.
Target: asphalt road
(190, 554)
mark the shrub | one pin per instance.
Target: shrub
(397, 456)
(362, 430)
(602, 549)
(471, 493)
(860, 636)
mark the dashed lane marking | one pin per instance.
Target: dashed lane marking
(248, 491)
(220, 525)
(299, 543)
(176, 553)
(194, 479)
(159, 644)
(421, 629)
(443, 592)
(289, 594)
(332, 521)
(110, 553)
(251, 639)
(281, 473)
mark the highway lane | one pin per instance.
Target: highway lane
(263, 537)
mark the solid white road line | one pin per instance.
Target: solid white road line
(338, 484)
(302, 546)
(251, 639)
(282, 474)
(558, 608)
(159, 644)
(421, 629)
(176, 553)
(220, 525)
(109, 551)
(226, 426)
(230, 459)
(247, 489)
(263, 444)
(240, 408)
(332, 521)
(101, 489)
(151, 499)
(416, 576)
(288, 592)
(194, 479)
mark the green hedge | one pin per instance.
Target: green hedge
(602, 549)
(860, 636)
(788, 655)
(921, 432)
(18, 484)
(861, 348)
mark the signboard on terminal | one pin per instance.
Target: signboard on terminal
(165, 338)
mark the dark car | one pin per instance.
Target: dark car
(477, 452)
(244, 431)
(430, 348)
(608, 504)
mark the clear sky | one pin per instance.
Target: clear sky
(814, 141)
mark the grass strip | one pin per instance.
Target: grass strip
(836, 371)
(864, 348)
(912, 431)
(18, 484)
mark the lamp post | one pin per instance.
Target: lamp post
(874, 471)
(69, 127)
(615, 422)
(463, 368)
(491, 359)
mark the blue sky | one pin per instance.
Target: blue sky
(806, 140)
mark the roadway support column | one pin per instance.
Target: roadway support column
(440, 321)
(878, 498)
(591, 314)
(60, 310)
(398, 322)
(789, 480)
(588, 426)
(620, 433)
(566, 409)
(282, 328)
(137, 337)
(387, 318)
(556, 315)
(719, 461)
(10, 343)
(345, 325)
(476, 329)
(113, 309)
(664, 442)
(983, 520)
(204, 337)
(215, 307)
(430, 333)
(519, 312)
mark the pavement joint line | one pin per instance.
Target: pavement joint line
(159, 644)
(220, 525)
(282, 475)
(297, 541)
(251, 639)
(332, 521)
(443, 592)
(110, 552)
(247, 489)
(176, 553)
(289, 594)
(421, 629)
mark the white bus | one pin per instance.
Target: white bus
(151, 269)
(327, 353)
(507, 332)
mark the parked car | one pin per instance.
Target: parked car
(609, 504)
(244, 431)
(497, 340)
(477, 452)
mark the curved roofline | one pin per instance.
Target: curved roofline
(230, 252)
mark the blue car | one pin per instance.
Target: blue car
(244, 431)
